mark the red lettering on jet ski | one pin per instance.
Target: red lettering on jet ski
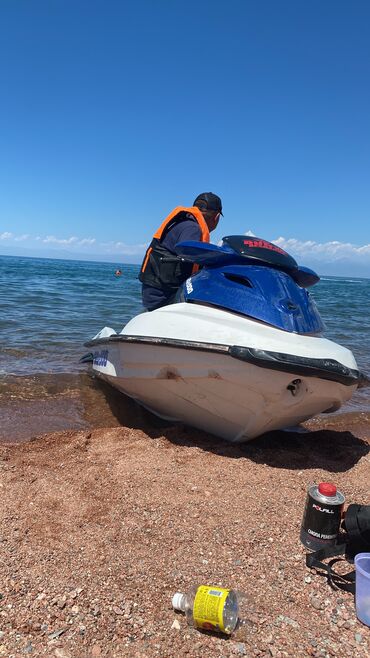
(262, 244)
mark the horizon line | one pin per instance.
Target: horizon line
(109, 262)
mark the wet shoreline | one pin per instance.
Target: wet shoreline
(40, 404)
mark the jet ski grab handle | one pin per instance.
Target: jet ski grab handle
(245, 250)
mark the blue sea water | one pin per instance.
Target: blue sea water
(49, 308)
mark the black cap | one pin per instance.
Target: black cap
(208, 201)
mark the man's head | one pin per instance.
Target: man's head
(211, 208)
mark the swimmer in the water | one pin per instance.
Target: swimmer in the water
(118, 273)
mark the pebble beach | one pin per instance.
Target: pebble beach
(99, 528)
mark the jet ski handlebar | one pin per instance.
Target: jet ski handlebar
(246, 250)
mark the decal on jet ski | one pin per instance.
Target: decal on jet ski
(100, 358)
(189, 286)
(262, 244)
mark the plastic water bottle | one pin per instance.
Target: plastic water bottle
(210, 608)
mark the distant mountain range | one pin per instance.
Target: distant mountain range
(65, 254)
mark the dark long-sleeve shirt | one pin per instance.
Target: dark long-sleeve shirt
(187, 229)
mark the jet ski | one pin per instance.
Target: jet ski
(239, 353)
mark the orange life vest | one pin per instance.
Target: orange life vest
(160, 267)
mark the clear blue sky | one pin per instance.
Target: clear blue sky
(113, 112)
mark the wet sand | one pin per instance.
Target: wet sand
(39, 404)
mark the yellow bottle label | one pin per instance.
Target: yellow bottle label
(209, 606)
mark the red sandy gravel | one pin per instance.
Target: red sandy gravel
(98, 530)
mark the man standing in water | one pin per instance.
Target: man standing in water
(162, 271)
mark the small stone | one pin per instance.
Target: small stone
(62, 653)
(308, 580)
(316, 603)
(61, 602)
(28, 648)
(291, 622)
(176, 625)
(56, 634)
(358, 637)
(75, 610)
(96, 651)
(117, 610)
(241, 648)
(197, 646)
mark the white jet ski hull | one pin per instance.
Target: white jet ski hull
(251, 379)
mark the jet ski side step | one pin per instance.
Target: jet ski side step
(328, 369)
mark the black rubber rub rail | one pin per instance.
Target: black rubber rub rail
(328, 369)
(300, 365)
